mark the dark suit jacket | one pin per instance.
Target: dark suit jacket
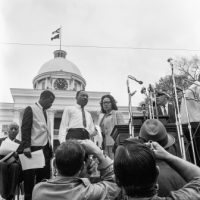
(171, 113)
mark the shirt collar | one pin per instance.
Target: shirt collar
(65, 179)
(10, 139)
(79, 107)
(38, 104)
(110, 113)
(166, 105)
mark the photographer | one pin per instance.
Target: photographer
(137, 173)
(69, 184)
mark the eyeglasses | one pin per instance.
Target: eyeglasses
(106, 102)
(14, 128)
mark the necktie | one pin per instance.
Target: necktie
(83, 115)
(165, 111)
(45, 115)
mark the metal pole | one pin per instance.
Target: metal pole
(131, 127)
(189, 127)
(60, 36)
(178, 116)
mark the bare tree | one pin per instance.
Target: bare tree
(190, 68)
(187, 71)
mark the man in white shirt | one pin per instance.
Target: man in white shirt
(76, 121)
(192, 95)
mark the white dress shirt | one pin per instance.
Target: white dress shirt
(164, 107)
(72, 118)
(192, 95)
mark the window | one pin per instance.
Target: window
(5, 129)
(43, 85)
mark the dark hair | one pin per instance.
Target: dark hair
(112, 100)
(78, 92)
(135, 169)
(47, 94)
(69, 157)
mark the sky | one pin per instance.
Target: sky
(106, 39)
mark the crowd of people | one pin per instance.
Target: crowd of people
(144, 167)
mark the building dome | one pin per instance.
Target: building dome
(59, 64)
(59, 74)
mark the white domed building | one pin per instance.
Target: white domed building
(59, 74)
(64, 79)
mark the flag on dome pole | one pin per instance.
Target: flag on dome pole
(57, 35)
(56, 31)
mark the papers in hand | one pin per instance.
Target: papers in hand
(7, 157)
(37, 160)
(8, 146)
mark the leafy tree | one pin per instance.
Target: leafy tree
(165, 84)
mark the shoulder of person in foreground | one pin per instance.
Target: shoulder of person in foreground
(189, 171)
(190, 191)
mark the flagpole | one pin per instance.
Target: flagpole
(60, 37)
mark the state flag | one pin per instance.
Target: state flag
(55, 37)
(56, 31)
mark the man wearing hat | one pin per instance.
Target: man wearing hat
(164, 107)
(169, 179)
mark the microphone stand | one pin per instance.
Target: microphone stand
(177, 114)
(143, 107)
(131, 127)
(144, 91)
(152, 98)
(156, 107)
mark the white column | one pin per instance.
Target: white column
(46, 83)
(17, 118)
(51, 119)
(72, 84)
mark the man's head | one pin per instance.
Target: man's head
(154, 130)
(135, 169)
(161, 98)
(13, 130)
(69, 158)
(82, 98)
(46, 99)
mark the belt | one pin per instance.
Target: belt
(77, 129)
(78, 133)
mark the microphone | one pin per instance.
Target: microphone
(178, 88)
(169, 60)
(128, 88)
(151, 88)
(133, 78)
(192, 82)
(143, 90)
